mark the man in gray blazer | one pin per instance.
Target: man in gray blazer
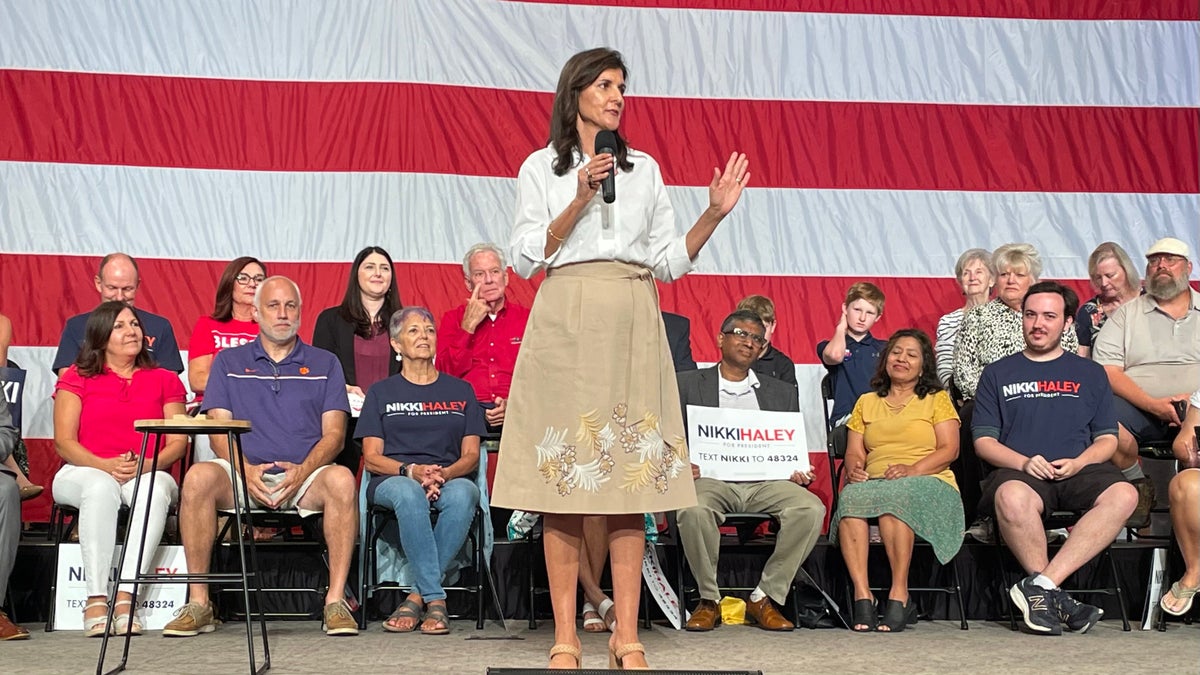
(10, 520)
(733, 384)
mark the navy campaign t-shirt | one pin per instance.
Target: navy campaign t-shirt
(1055, 409)
(420, 423)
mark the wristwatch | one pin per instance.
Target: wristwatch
(403, 471)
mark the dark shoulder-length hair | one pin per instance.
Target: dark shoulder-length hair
(352, 310)
(579, 72)
(223, 305)
(99, 328)
(927, 381)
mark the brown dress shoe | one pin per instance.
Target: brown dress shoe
(706, 617)
(766, 616)
(10, 630)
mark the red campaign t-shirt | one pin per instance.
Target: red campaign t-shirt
(485, 358)
(211, 336)
(111, 404)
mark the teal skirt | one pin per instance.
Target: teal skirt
(926, 504)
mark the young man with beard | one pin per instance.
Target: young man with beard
(1044, 419)
(1150, 349)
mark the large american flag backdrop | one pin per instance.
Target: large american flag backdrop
(886, 136)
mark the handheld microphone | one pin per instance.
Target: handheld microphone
(606, 141)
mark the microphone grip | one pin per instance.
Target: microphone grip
(608, 186)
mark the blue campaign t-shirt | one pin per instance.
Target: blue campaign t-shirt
(852, 377)
(420, 423)
(160, 341)
(1055, 409)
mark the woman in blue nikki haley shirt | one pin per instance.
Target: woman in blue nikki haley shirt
(420, 431)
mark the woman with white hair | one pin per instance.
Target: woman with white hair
(992, 330)
(976, 277)
(420, 434)
(1116, 281)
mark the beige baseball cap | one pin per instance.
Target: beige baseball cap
(1170, 245)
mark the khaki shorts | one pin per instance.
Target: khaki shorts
(272, 479)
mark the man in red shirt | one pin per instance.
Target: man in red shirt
(478, 341)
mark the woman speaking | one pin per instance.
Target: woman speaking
(593, 424)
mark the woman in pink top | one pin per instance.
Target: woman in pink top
(113, 382)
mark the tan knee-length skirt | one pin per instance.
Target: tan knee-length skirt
(593, 423)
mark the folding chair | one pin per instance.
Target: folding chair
(1056, 520)
(747, 525)
(376, 518)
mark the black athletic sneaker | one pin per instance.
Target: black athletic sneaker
(1038, 607)
(1079, 617)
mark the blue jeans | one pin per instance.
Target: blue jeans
(429, 547)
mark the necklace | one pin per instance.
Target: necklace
(897, 406)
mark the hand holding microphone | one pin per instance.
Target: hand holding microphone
(592, 176)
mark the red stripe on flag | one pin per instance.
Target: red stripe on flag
(88, 118)
(182, 290)
(1147, 10)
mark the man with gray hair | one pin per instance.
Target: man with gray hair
(294, 396)
(1150, 349)
(478, 341)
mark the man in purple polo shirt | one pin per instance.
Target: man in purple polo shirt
(294, 396)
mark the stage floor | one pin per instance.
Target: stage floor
(932, 647)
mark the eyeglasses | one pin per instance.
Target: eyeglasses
(740, 334)
(244, 279)
(1164, 260)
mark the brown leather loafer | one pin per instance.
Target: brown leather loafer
(706, 617)
(766, 616)
(10, 630)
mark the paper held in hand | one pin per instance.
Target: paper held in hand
(356, 403)
(743, 445)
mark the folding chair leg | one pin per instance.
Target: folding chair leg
(532, 590)
(367, 566)
(1112, 566)
(958, 594)
(56, 530)
(480, 571)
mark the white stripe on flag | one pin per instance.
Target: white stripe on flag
(722, 54)
(218, 215)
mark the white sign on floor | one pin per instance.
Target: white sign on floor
(156, 603)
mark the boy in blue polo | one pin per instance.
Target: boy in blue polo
(852, 354)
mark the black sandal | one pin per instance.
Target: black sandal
(897, 616)
(865, 614)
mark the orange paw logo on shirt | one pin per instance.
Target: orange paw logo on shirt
(303, 370)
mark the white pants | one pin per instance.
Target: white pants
(98, 495)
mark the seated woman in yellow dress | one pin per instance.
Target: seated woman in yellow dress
(903, 437)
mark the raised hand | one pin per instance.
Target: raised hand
(475, 312)
(726, 187)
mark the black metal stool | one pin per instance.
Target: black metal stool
(182, 424)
